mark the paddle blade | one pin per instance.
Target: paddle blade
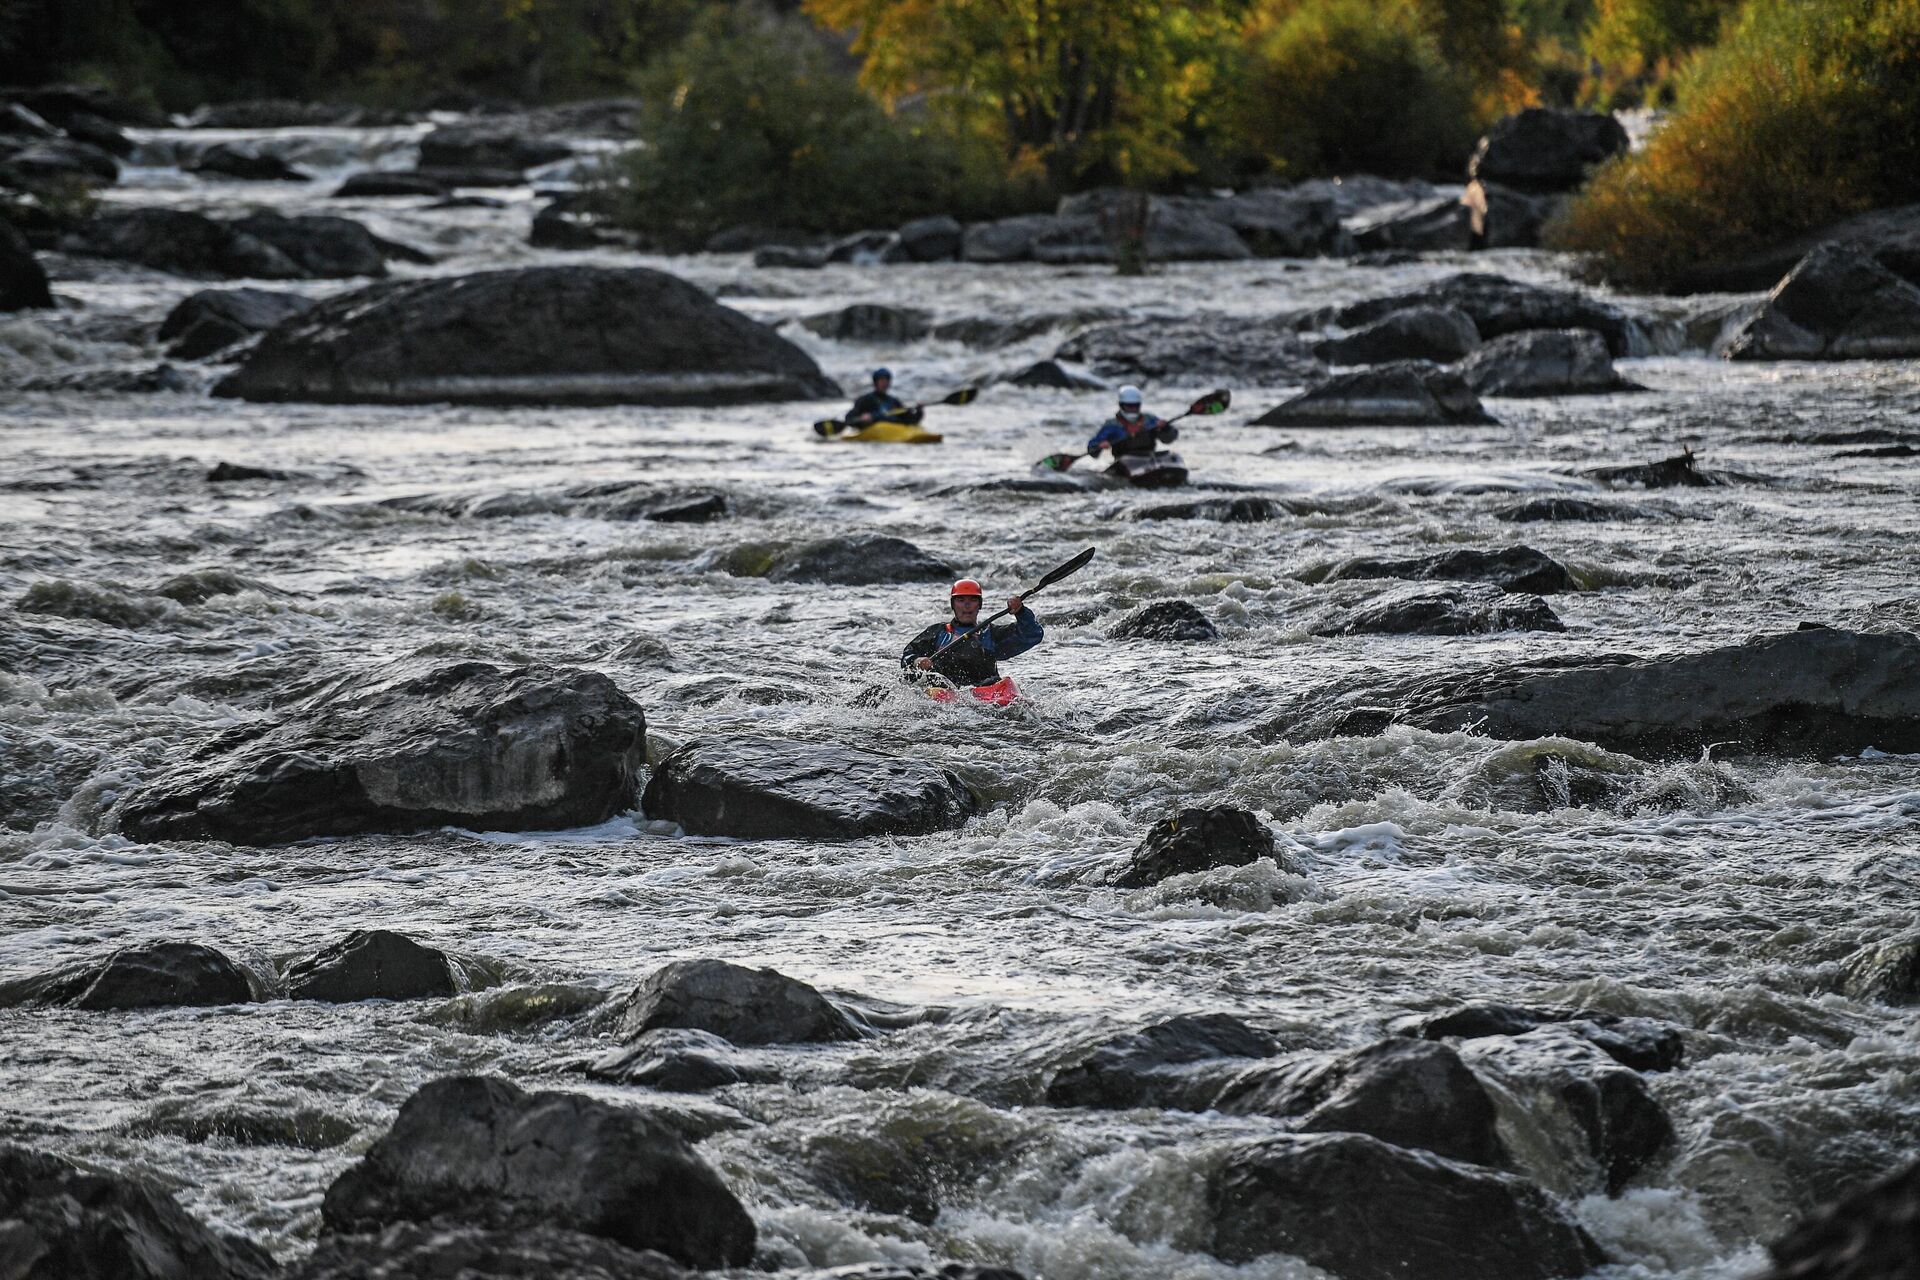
(1212, 402)
(1059, 461)
(965, 395)
(1074, 565)
(828, 427)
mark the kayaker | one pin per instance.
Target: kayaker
(1131, 431)
(966, 656)
(880, 404)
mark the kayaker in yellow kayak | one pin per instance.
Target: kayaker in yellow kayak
(965, 655)
(881, 405)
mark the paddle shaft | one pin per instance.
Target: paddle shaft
(1063, 461)
(965, 395)
(1072, 566)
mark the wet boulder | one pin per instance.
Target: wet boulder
(742, 1005)
(674, 1060)
(61, 1222)
(1090, 226)
(1164, 620)
(181, 242)
(1003, 240)
(1405, 393)
(1058, 375)
(575, 226)
(1440, 334)
(223, 160)
(23, 282)
(1544, 362)
(935, 239)
(1438, 225)
(325, 247)
(1278, 223)
(1198, 840)
(1885, 971)
(537, 335)
(1678, 472)
(1816, 693)
(1468, 610)
(799, 257)
(497, 143)
(1500, 306)
(1542, 149)
(471, 744)
(1866, 1235)
(386, 182)
(442, 1251)
(866, 248)
(372, 964)
(1181, 1064)
(871, 322)
(1168, 348)
(858, 561)
(54, 161)
(1501, 218)
(1556, 507)
(1640, 1043)
(1222, 510)
(1364, 1209)
(214, 319)
(152, 975)
(1516, 568)
(480, 1151)
(1839, 303)
(1624, 1125)
(235, 472)
(775, 789)
(1412, 1093)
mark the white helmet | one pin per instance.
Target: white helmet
(1129, 395)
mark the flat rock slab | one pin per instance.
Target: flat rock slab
(777, 789)
(1405, 393)
(470, 744)
(150, 976)
(537, 335)
(1186, 348)
(742, 1005)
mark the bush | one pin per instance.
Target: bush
(1807, 111)
(1351, 86)
(1637, 44)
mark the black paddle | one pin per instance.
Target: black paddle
(834, 426)
(1052, 576)
(1211, 403)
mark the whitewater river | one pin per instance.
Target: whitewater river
(1718, 895)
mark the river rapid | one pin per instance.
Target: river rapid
(1719, 895)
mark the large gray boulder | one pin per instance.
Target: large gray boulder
(1817, 692)
(1888, 970)
(1467, 610)
(214, 319)
(61, 1222)
(1169, 348)
(935, 239)
(1866, 1235)
(1364, 1209)
(480, 1151)
(862, 560)
(1404, 393)
(1003, 239)
(1175, 231)
(871, 322)
(1839, 303)
(1500, 306)
(372, 964)
(1197, 839)
(1545, 362)
(23, 282)
(1181, 1064)
(471, 744)
(1542, 149)
(1164, 621)
(1438, 225)
(57, 160)
(775, 789)
(1515, 568)
(1278, 223)
(538, 335)
(742, 1005)
(1440, 334)
(1642, 1044)
(152, 975)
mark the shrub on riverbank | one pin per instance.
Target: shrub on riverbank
(1805, 112)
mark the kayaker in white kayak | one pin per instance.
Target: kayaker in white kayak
(963, 655)
(1131, 431)
(881, 405)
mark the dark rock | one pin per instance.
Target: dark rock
(1501, 306)
(1405, 393)
(1356, 192)
(481, 1151)
(190, 244)
(1545, 150)
(1077, 234)
(325, 247)
(226, 161)
(1053, 373)
(1164, 348)
(1867, 1235)
(17, 121)
(1501, 218)
(1198, 840)
(741, 1005)
(113, 381)
(801, 257)
(1164, 620)
(1678, 471)
(1413, 1093)
(23, 283)
(98, 131)
(454, 177)
(1277, 223)
(371, 964)
(1625, 1126)
(60, 103)
(748, 237)
(1804, 693)
(774, 789)
(858, 561)
(685, 508)
(1544, 362)
(230, 472)
(871, 322)
(539, 335)
(1442, 224)
(153, 975)
(1839, 303)
(489, 144)
(563, 225)
(1890, 235)
(60, 160)
(214, 319)
(1447, 611)
(1366, 1210)
(1883, 451)
(198, 586)
(60, 1222)
(518, 749)
(1886, 971)
(1558, 508)
(468, 202)
(383, 182)
(1179, 1064)
(410, 1251)
(934, 239)
(867, 248)
(1003, 240)
(1514, 568)
(1440, 334)
(679, 1061)
(1224, 510)
(274, 113)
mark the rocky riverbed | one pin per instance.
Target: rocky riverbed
(1515, 824)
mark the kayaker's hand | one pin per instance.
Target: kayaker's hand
(1093, 451)
(1015, 604)
(925, 664)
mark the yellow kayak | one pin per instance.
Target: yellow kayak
(890, 433)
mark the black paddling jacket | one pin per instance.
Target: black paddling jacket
(973, 662)
(888, 408)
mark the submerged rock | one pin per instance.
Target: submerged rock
(214, 319)
(479, 1151)
(1440, 334)
(372, 964)
(1439, 224)
(871, 322)
(1181, 1063)
(1224, 510)
(385, 182)
(1887, 971)
(472, 744)
(1166, 348)
(679, 1061)
(1471, 610)
(775, 789)
(1405, 393)
(1053, 373)
(858, 561)
(498, 143)
(1516, 568)
(412, 1251)
(1867, 1235)
(1545, 362)
(1367, 1210)
(1164, 620)
(1640, 1043)
(227, 161)
(935, 239)
(537, 335)
(152, 975)
(1839, 303)
(1500, 306)
(745, 1006)
(1542, 149)
(1559, 508)
(61, 1222)
(1198, 840)
(23, 282)
(1678, 471)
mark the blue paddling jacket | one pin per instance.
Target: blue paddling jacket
(976, 661)
(1138, 436)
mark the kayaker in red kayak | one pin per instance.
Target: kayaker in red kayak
(963, 655)
(1130, 430)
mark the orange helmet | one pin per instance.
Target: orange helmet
(964, 587)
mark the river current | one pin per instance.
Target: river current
(1719, 895)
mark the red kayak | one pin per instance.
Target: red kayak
(1001, 693)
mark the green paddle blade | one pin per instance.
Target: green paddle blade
(1059, 461)
(1213, 402)
(965, 395)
